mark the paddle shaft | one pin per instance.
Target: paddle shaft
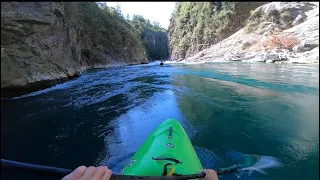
(227, 171)
(61, 172)
(45, 170)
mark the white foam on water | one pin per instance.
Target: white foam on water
(50, 89)
(265, 162)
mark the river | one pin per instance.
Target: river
(105, 115)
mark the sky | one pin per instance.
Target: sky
(154, 11)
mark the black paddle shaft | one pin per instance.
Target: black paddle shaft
(227, 171)
(44, 170)
(61, 172)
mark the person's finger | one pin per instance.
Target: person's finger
(100, 172)
(89, 173)
(107, 175)
(76, 174)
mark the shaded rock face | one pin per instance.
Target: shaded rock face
(44, 41)
(156, 44)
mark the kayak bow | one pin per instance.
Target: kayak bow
(167, 151)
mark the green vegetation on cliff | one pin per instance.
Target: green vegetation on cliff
(195, 26)
(280, 18)
(108, 33)
(152, 35)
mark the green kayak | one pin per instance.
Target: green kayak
(167, 151)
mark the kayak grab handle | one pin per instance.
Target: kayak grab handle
(61, 172)
(168, 159)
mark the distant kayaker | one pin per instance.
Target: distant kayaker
(103, 173)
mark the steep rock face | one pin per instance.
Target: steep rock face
(156, 44)
(43, 41)
(249, 43)
(197, 25)
(153, 36)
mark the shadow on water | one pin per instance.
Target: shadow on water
(66, 125)
(106, 115)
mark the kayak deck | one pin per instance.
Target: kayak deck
(169, 143)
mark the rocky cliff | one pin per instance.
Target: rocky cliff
(153, 36)
(280, 32)
(42, 42)
(195, 26)
(157, 45)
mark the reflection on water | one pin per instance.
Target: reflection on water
(104, 116)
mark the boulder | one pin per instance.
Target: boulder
(304, 46)
(271, 57)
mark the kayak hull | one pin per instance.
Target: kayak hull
(169, 143)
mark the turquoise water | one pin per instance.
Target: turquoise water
(105, 115)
